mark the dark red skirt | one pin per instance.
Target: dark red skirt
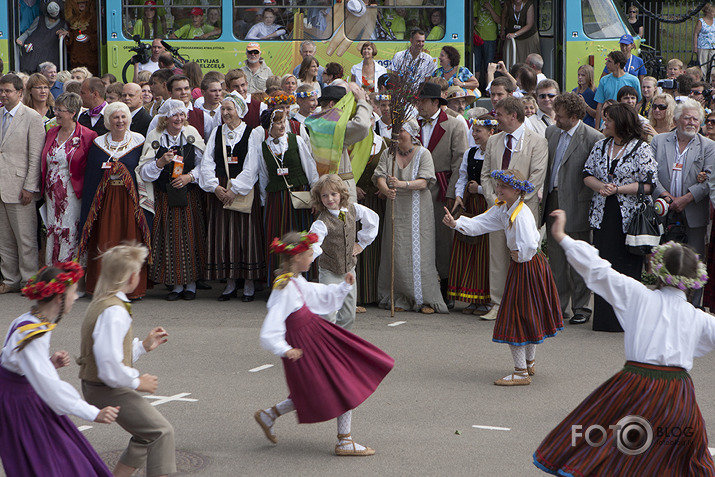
(530, 311)
(337, 372)
(663, 396)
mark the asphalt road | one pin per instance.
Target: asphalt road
(420, 420)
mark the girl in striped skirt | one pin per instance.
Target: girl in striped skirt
(653, 392)
(530, 310)
(471, 283)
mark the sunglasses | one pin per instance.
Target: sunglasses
(710, 122)
(253, 52)
(633, 11)
(661, 107)
(545, 95)
(695, 92)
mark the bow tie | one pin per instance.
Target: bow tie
(427, 121)
(95, 112)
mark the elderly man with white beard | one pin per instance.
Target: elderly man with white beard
(682, 155)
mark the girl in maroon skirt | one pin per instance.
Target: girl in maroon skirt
(653, 395)
(530, 310)
(329, 370)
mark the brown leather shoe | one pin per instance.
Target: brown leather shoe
(5, 288)
(427, 310)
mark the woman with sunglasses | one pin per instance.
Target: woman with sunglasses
(710, 125)
(661, 114)
(635, 22)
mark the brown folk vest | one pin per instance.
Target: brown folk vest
(87, 363)
(338, 245)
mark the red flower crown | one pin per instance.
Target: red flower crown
(306, 240)
(72, 272)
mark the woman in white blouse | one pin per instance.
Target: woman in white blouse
(653, 391)
(170, 165)
(368, 70)
(266, 30)
(235, 239)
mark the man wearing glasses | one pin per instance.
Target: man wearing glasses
(257, 72)
(546, 91)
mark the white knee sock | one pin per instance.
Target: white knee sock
(230, 286)
(178, 288)
(519, 355)
(530, 351)
(285, 407)
(191, 287)
(344, 424)
(248, 288)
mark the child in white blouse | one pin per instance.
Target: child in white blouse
(530, 310)
(329, 371)
(337, 245)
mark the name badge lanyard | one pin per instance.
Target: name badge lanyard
(517, 17)
(678, 167)
(613, 161)
(180, 143)
(120, 147)
(280, 170)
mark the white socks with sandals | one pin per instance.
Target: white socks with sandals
(523, 365)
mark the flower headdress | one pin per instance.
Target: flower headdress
(382, 97)
(511, 181)
(678, 281)
(484, 122)
(306, 240)
(273, 101)
(72, 272)
(306, 94)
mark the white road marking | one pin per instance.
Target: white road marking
(84, 428)
(492, 428)
(175, 397)
(260, 368)
(397, 323)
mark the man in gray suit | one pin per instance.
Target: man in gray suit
(681, 155)
(22, 135)
(570, 142)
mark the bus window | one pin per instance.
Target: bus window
(314, 21)
(545, 18)
(601, 20)
(175, 19)
(395, 19)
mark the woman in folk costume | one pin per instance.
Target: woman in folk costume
(469, 264)
(368, 264)
(36, 436)
(416, 282)
(329, 371)
(111, 211)
(663, 332)
(170, 167)
(236, 247)
(284, 165)
(530, 310)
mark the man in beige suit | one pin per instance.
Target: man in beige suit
(22, 136)
(515, 147)
(446, 139)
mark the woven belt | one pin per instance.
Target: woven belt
(116, 182)
(346, 176)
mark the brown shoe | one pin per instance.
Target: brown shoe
(360, 309)
(522, 380)
(530, 367)
(5, 288)
(351, 450)
(426, 310)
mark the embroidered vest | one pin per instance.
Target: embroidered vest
(87, 364)
(291, 159)
(240, 149)
(337, 255)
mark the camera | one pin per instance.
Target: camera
(668, 84)
(142, 51)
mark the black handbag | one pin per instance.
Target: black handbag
(693, 61)
(645, 229)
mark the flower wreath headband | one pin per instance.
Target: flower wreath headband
(511, 181)
(306, 94)
(484, 122)
(273, 101)
(72, 272)
(382, 97)
(306, 240)
(678, 281)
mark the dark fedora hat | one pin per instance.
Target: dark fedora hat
(431, 91)
(332, 93)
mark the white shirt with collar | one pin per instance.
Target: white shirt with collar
(207, 176)
(464, 174)
(539, 122)
(370, 224)
(109, 331)
(93, 120)
(428, 128)
(306, 158)
(515, 138)
(151, 172)
(565, 137)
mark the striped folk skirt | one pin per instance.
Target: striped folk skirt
(281, 218)
(368, 262)
(178, 240)
(530, 309)
(235, 243)
(664, 396)
(469, 263)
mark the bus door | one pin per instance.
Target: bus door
(546, 11)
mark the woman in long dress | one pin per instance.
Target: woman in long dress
(111, 212)
(235, 239)
(417, 284)
(64, 159)
(170, 165)
(518, 19)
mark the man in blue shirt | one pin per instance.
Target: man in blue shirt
(610, 84)
(49, 70)
(634, 65)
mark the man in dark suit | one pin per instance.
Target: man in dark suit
(92, 93)
(132, 97)
(570, 141)
(681, 155)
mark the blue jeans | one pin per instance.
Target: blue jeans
(483, 55)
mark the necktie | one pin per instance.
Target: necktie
(128, 306)
(5, 123)
(341, 215)
(558, 157)
(95, 112)
(506, 157)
